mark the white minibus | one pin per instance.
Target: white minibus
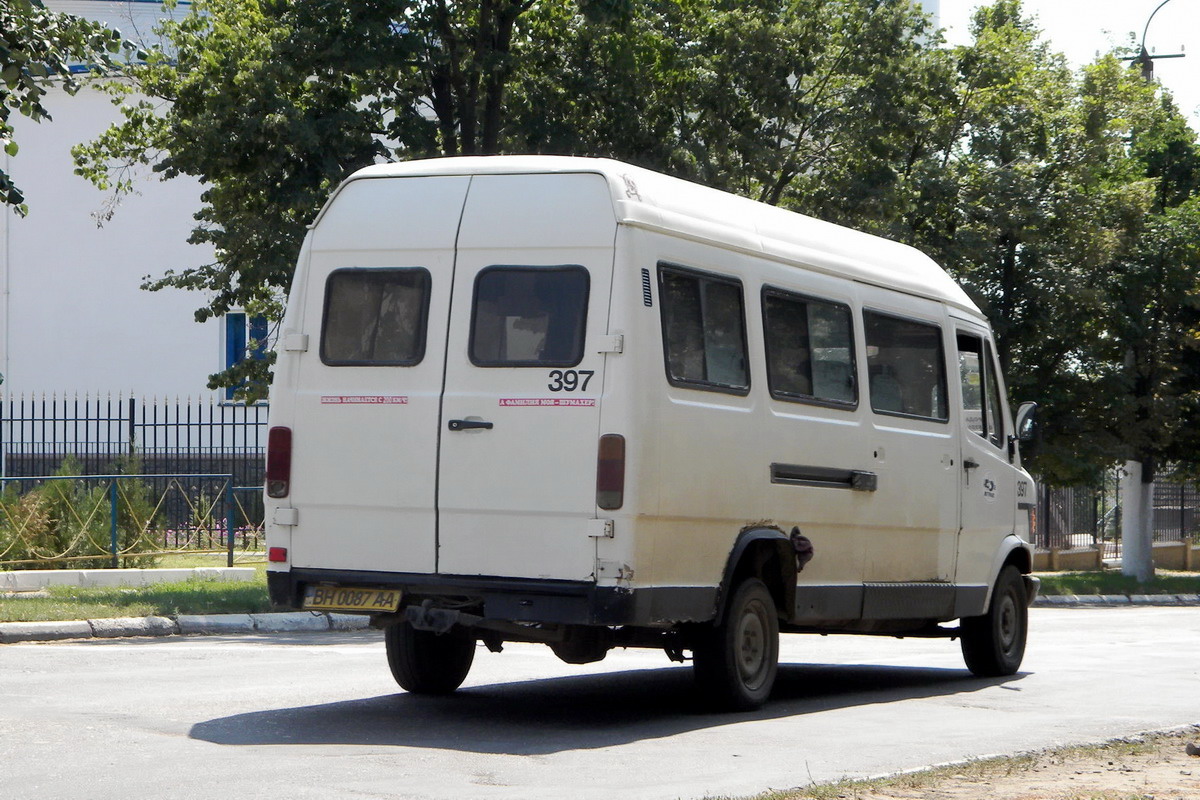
(574, 402)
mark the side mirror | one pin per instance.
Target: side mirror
(1026, 431)
(1027, 422)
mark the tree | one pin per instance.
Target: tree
(271, 103)
(1011, 197)
(36, 47)
(750, 97)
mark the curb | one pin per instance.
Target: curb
(185, 625)
(1115, 600)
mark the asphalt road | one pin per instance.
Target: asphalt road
(317, 715)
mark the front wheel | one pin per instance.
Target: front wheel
(735, 661)
(993, 644)
(428, 663)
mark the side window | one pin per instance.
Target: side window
(906, 367)
(529, 316)
(980, 389)
(704, 330)
(375, 317)
(810, 349)
(970, 370)
(992, 403)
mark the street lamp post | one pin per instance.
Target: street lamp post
(1144, 59)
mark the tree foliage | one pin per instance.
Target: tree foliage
(1065, 201)
(36, 47)
(271, 103)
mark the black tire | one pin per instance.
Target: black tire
(428, 663)
(735, 662)
(993, 644)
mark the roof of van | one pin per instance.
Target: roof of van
(648, 199)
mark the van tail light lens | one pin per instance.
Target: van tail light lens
(277, 555)
(610, 472)
(279, 461)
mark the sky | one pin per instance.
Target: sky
(1081, 28)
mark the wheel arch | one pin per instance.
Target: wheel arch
(1013, 550)
(764, 552)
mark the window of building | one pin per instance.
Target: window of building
(375, 317)
(810, 349)
(704, 330)
(245, 338)
(906, 367)
(529, 316)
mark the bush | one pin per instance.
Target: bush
(59, 523)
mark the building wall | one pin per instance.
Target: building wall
(73, 318)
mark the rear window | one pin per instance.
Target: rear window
(529, 316)
(375, 317)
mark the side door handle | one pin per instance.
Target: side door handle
(970, 463)
(469, 424)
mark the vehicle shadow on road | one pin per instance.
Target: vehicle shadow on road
(577, 712)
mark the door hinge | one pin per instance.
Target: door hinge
(296, 343)
(600, 528)
(288, 517)
(611, 344)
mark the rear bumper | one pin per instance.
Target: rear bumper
(519, 600)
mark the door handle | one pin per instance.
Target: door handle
(970, 463)
(469, 424)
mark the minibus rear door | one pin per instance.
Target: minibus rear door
(524, 380)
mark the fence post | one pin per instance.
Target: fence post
(112, 501)
(229, 517)
(132, 426)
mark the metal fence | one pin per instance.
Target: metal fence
(1090, 516)
(122, 520)
(180, 448)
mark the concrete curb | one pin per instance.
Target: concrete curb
(1115, 601)
(185, 624)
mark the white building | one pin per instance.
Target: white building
(73, 318)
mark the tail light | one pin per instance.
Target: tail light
(279, 461)
(610, 472)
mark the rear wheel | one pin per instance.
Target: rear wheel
(993, 644)
(428, 663)
(735, 661)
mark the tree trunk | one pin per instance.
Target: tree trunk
(1137, 521)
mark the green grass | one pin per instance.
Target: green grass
(163, 599)
(1114, 583)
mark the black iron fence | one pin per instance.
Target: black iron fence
(1090, 516)
(193, 456)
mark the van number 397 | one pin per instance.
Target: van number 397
(570, 380)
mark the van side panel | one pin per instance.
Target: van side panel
(365, 436)
(701, 461)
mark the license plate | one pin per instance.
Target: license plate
(351, 598)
